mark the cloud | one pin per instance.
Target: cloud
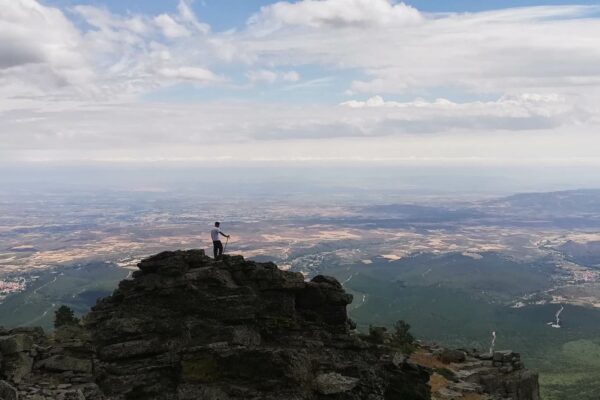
(45, 57)
(167, 127)
(73, 86)
(40, 50)
(333, 13)
(391, 48)
(515, 50)
(547, 104)
(509, 113)
(183, 24)
(170, 28)
(280, 132)
(187, 16)
(269, 76)
(12, 55)
(262, 75)
(195, 74)
(291, 76)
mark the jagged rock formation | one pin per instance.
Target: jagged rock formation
(459, 374)
(188, 327)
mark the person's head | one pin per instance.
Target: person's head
(217, 224)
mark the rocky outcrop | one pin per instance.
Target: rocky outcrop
(505, 377)
(461, 373)
(38, 367)
(186, 327)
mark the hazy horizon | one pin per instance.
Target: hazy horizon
(362, 179)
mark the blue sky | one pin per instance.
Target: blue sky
(461, 82)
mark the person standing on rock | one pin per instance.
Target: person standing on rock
(214, 235)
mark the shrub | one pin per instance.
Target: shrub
(377, 334)
(402, 338)
(64, 316)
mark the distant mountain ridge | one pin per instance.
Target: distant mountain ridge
(578, 201)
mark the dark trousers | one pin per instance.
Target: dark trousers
(217, 248)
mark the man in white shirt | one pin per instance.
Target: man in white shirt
(214, 235)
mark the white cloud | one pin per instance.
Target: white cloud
(187, 16)
(195, 74)
(166, 128)
(262, 75)
(546, 104)
(102, 19)
(396, 48)
(268, 76)
(515, 50)
(508, 113)
(40, 51)
(247, 132)
(60, 81)
(170, 28)
(45, 58)
(333, 13)
(291, 76)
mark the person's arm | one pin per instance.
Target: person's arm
(223, 234)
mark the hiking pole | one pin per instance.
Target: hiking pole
(225, 248)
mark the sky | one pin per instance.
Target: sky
(494, 83)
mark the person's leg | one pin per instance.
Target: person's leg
(220, 248)
(215, 249)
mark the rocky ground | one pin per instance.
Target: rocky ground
(187, 327)
(468, 374)
(39, 367)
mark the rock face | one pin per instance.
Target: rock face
(457, 373)
(37, 367)
(186, 327)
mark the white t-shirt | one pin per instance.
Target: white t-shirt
(214, 234)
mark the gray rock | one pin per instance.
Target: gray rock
(7, 391)
(504, 355)
(15, 343)
(332, 383)
(71, 395)
(131, 349)
(398, 359)
(448, 356)
(465, 387)
(65, 363)
(205, 393)
(17, 366)
(449, 394)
